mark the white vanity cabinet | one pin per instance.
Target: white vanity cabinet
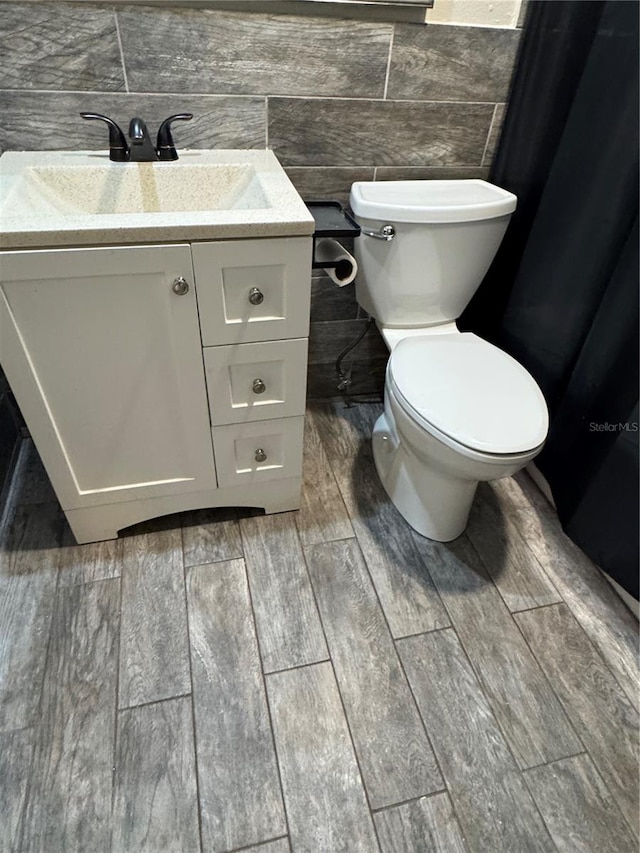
(161, 378)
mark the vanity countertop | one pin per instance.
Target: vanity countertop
(80, 198)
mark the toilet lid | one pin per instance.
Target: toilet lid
(471, 391)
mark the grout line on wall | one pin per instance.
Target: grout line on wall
(254, 97)
(386, 77)
(447, 102)
(266, 122)
(351, 166)
(124, 68)
(486, 144)
(118, 93)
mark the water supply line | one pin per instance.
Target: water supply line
(344, 376)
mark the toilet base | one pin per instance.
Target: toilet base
(435, 504)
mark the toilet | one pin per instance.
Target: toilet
(457, 410)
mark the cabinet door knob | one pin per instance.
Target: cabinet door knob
(258, 386)
(260, 456)
(180, 286)
(256, 296)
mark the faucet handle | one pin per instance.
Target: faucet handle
(118, 148)
(164, 146)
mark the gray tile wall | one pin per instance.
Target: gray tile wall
(337, 100)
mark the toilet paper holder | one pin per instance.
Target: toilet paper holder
(332, 220)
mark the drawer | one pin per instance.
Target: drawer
(253, 382)
(258, 451)
(253, 290)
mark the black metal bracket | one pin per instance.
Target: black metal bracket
(332, 220)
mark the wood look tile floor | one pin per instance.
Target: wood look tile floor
(316, 681)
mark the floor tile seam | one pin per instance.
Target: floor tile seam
(448, 787)
(214, 562)
(559, 700)
(516, 766)
(514, 514)
(356, 756)
(176, 554)
(401, 637)
(397, 655)
(596, 648)
(306, 665)
(116, 715)
(236, 520)
(338, 491)
(569, 717)
(410, 800)
(386, 621)
(541, 568)
(517, 512)
(635, 829)
(561, 704)
(536, 607)
(346, 512)
(89, 583)
(155, 702)
(21, 826)
(526, 770)
(37, 727)
(315, 603)
(196, 769)
(264, 676)
(491, 577)
(480, 680)
(331, 463)
(490, 704)
(342, 704)
(313, 594)
(587, 754)
(333, 458)
(443, 776)
(258, 844)
(329, 541)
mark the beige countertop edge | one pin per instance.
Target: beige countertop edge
(56, 239)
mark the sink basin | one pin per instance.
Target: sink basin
(138, 188)
(62, 198)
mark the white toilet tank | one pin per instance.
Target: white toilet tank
(446, 235)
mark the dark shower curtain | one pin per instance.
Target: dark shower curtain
(562, 294)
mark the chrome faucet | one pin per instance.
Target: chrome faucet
(141, 149)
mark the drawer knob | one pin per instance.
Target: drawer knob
(256, 296)
(258, 386)
(180, 286)
(260, 456)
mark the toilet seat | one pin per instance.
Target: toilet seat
(470, 392)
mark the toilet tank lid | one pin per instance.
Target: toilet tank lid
(430, 201)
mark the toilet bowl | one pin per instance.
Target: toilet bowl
(458, 410)
(450, 423)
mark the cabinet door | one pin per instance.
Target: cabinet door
(106, 364)
(253, 290)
